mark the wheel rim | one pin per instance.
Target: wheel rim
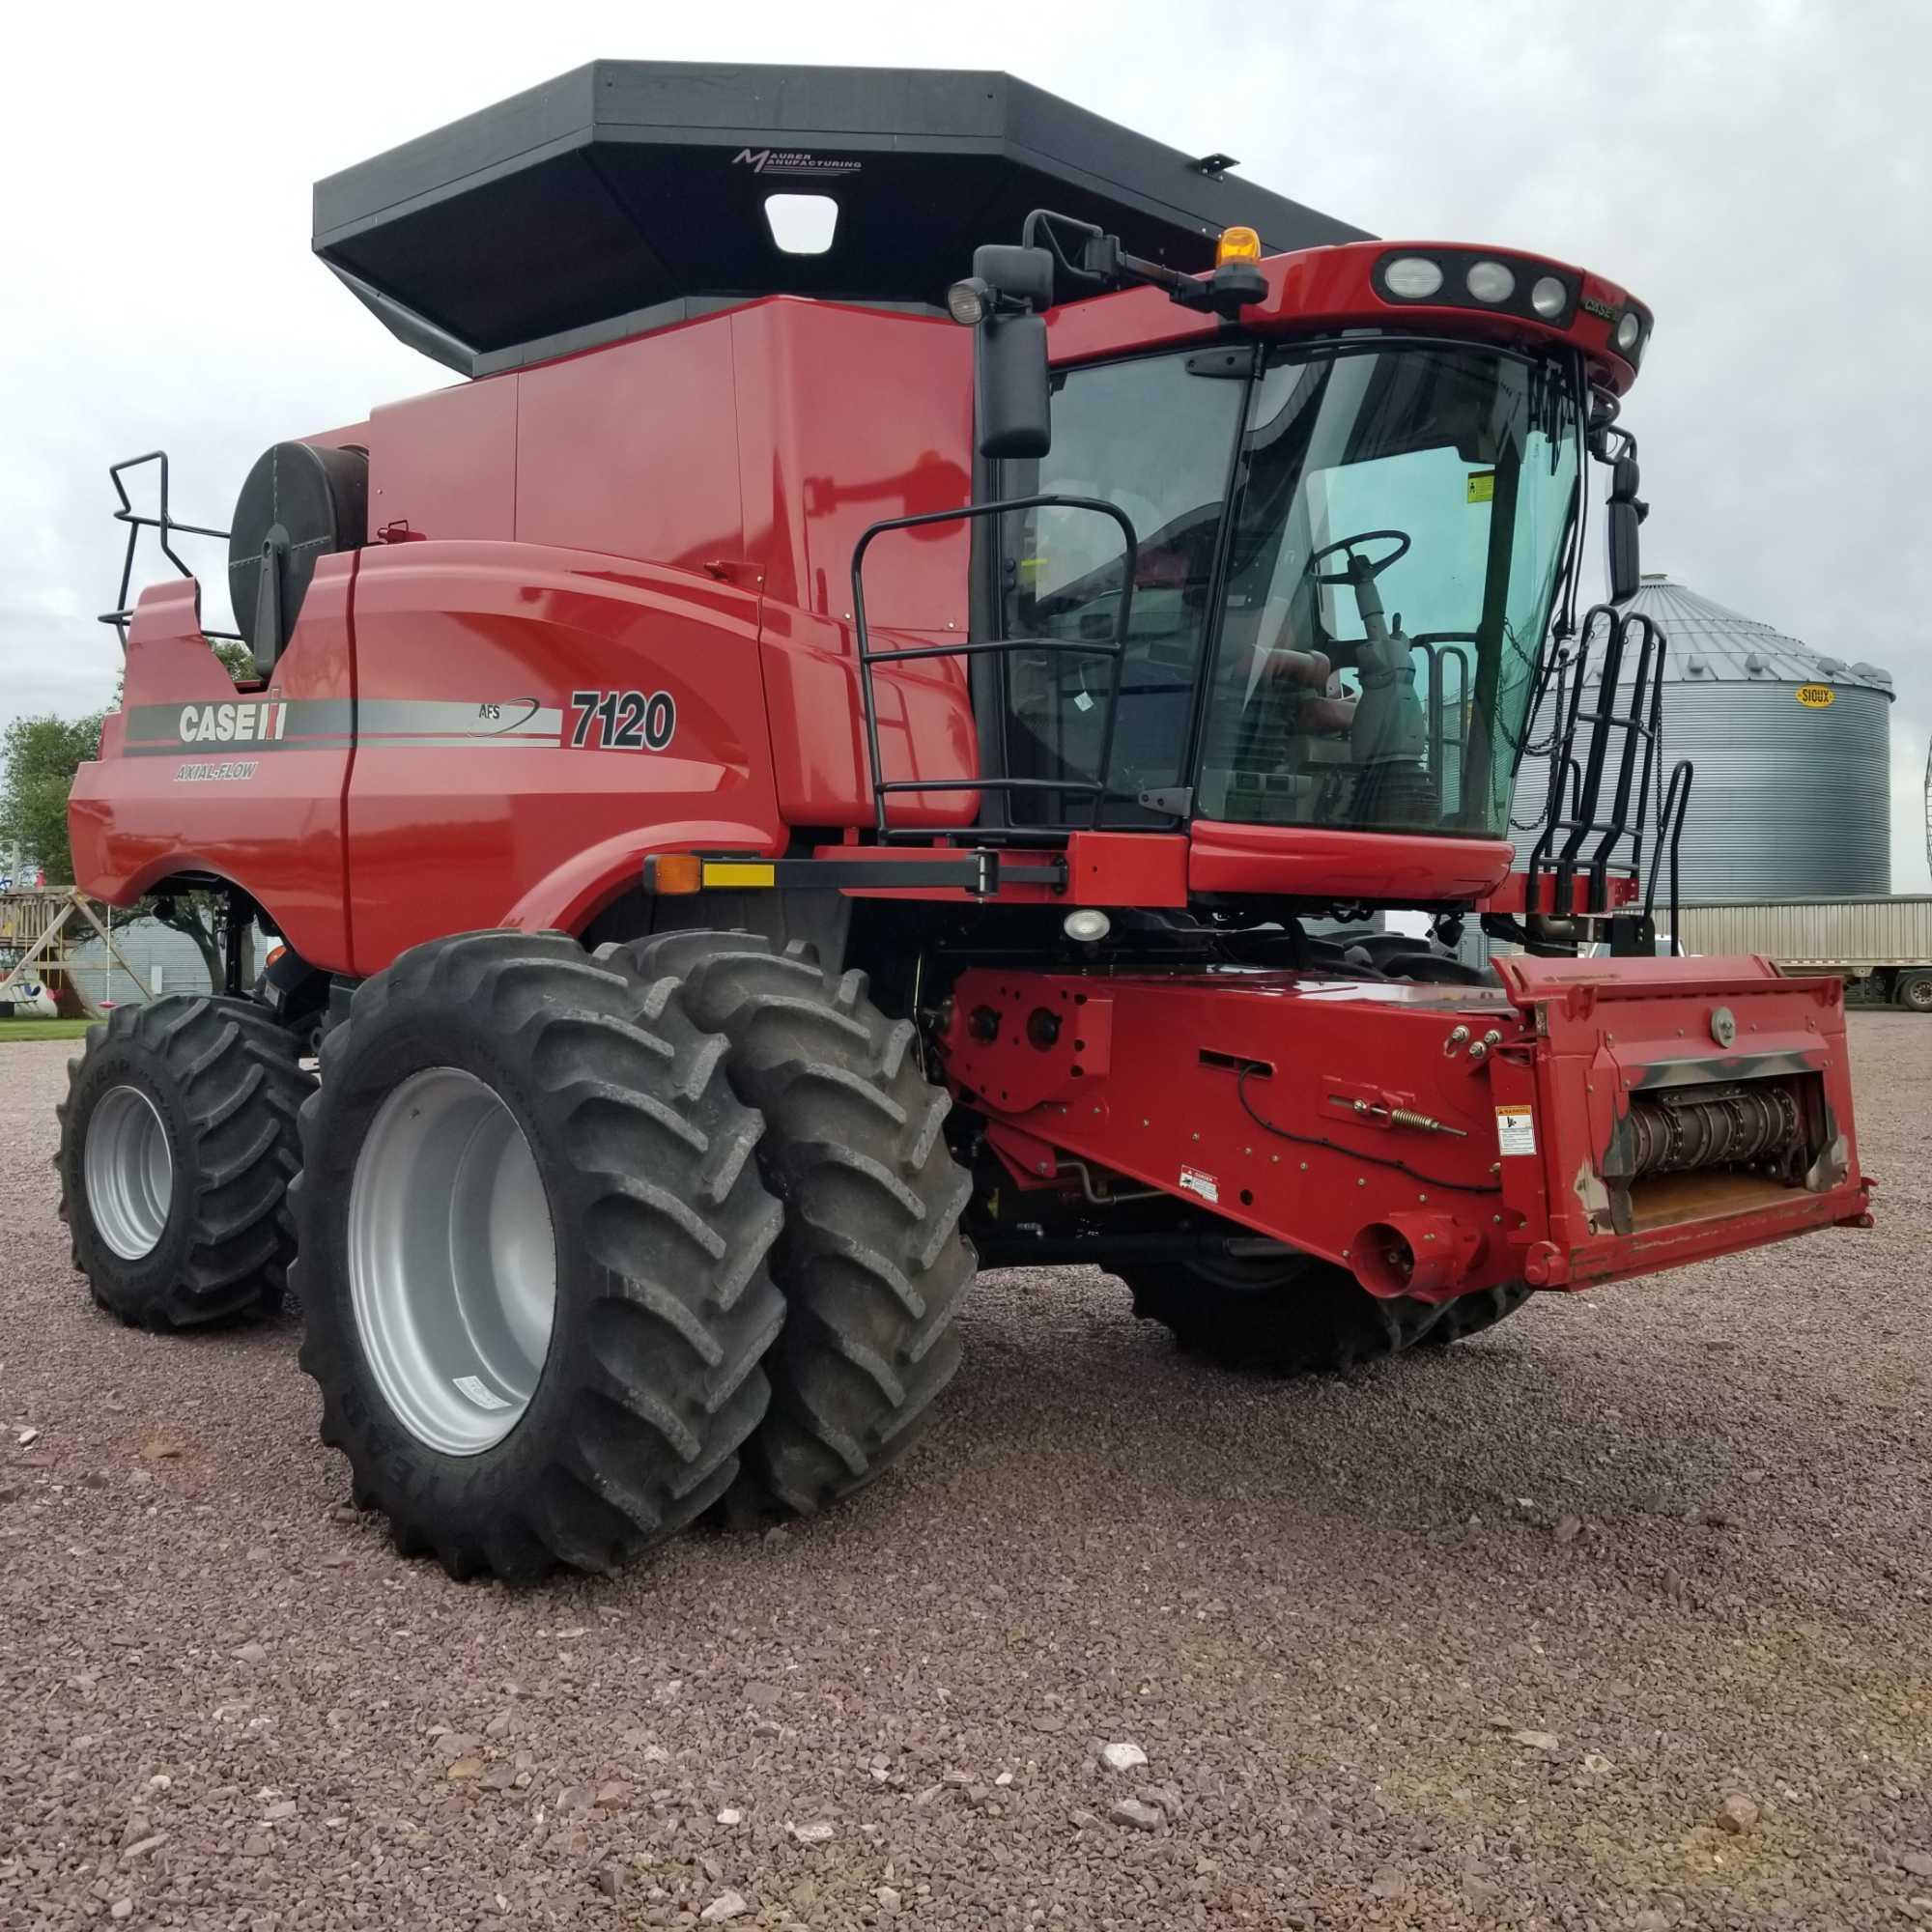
(1919, 995)
(129, 1171)
(452, 1261)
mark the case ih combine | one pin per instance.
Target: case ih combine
(773, 794)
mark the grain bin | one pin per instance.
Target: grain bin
(1792, 750)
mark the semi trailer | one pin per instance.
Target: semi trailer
(869, 739)
(1881, 946)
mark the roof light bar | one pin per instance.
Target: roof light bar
(1472, 278)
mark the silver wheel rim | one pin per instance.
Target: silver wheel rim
(129, 1171)
(452, 1261)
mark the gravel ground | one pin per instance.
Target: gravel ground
(1490, 1637)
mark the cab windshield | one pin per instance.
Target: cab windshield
(1362, 543)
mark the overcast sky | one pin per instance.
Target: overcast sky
(1760, 173)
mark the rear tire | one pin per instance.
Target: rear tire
(595, 1098)
(871, 1262)
(178, 1145)
(1915, 992)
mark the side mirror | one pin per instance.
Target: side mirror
(1019, 274)
(1625, 513)
(1011, 403)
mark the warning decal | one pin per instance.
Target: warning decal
(1194, 1182)
(1516, 1131)
(1482, 486)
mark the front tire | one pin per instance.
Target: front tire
(871, 1262)
(178, 1145)
(534, 1242)
(1470, 1314)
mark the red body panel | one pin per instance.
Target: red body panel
(1144, 1076)
(631, 451)
(815, 467)
(466, 655)
(445, 465)
(156, 803)
(1312, 862)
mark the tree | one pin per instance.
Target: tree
(41, 756)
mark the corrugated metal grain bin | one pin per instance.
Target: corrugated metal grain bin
(1792, 750)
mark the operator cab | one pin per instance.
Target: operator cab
(1346, 556)
(1355, 505)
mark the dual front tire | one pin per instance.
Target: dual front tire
(534, 1255)
(588, 1244)
(561, 1226)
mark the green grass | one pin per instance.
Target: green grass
(41, 1029)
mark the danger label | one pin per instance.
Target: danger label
(1516, 1131)
(1194, 1182)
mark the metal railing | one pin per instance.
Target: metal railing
(1113, 648)
(1638, 736)
(164, 522)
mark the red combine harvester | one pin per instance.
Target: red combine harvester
(807, 776)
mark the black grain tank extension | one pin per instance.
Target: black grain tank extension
(630, 194)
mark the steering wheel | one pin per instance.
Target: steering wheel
(1374, 570)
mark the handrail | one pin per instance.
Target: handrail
(1641, 726)
(1113, 648)
(1671, 812)
(164, 522)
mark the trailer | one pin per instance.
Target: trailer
(1882, 945)
(870, 739)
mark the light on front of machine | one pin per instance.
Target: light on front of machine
(1089, 926)
(968, 301)
(1549, 298)
(1489, 281)
(1412, 277)
(1628, 330)
(1237, 245)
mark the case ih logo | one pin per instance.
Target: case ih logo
(790, 162)
(240, 723)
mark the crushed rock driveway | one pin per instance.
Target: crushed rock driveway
(1618, 1616)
